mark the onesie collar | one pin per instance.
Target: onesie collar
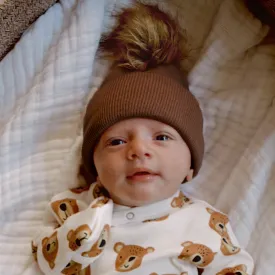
(155, 211)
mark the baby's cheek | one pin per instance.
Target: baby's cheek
(110, 171)
(177, 163)
(177, 171)
(104, 164)
(113, 167)
(183, 159)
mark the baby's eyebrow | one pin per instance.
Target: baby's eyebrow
(164, 128)
(112, 134)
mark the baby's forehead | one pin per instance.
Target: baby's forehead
(133, 124)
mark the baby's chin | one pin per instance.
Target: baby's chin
(143, 197)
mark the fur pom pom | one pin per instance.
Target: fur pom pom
(144, 37)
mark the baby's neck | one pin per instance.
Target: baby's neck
(119, 203)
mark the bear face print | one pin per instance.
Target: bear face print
(50, 249)
(237, 270)
(158, 219)
(98, 247)
(34, 251)
(180, 201)
(198, 254)
(64, 208)
(100, 202)
(79, 236)
(130, 256)
(80, 189)
(227, 248)
(218, 221)
(72, 268)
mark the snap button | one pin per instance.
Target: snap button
(130, 215)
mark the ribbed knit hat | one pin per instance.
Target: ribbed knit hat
(158, 94)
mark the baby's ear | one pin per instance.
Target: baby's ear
(190, 174)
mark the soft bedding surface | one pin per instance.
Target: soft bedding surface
(47, 79)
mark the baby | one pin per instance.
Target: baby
(142, 138)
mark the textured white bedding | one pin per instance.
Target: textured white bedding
(44, 85)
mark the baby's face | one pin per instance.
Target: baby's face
(141, 161)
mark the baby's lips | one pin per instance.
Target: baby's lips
(141, 171)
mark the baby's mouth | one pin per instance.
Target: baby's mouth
(142, 176)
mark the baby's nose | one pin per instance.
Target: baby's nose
(139, 149)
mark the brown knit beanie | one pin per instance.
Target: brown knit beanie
(156, 92)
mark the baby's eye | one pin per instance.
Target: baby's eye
(116, 142)
(162, 137)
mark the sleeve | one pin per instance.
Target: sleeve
(71, 201)
(225, 256)
(77, 239)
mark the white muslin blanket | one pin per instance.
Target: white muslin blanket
(46, 80)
